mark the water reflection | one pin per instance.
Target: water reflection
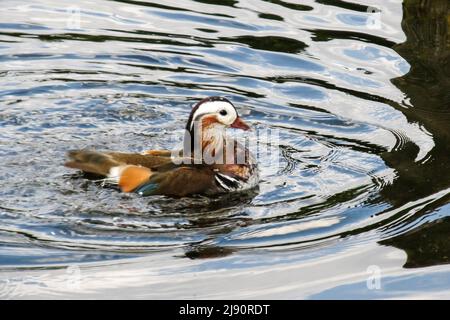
(427, 88)
(363, 158)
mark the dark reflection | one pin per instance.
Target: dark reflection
(270, 16)
(425, 246)
(345, 5)
(207, 30)
(327, 35)
(205, 252)
(270, 43)
(229, 3)
(290, 5)
(427, 85)
(218, 225)
(152, 4)
(106, 38)
(180, 8)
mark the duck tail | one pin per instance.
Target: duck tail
(91, 161)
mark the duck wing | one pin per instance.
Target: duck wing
(103, 163)
(179, 182)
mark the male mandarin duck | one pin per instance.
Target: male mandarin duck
(210, 162)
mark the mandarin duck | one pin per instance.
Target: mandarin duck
(210, 162)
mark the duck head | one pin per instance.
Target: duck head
(215, 112)
(208, 122)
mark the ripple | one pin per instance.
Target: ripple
(126, 80)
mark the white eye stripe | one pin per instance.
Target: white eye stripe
(214, 107)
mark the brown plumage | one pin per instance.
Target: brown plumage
(160, 172)
(101, 162)
(91, 161)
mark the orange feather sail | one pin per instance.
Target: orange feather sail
(133, 176)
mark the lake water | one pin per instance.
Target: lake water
(356, 205)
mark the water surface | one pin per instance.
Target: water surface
(359, 99)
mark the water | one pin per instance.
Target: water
(357, 208)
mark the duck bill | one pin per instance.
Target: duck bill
(240, 124)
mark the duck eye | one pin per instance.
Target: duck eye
(223, 112)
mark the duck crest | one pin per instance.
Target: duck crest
(194, 114)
